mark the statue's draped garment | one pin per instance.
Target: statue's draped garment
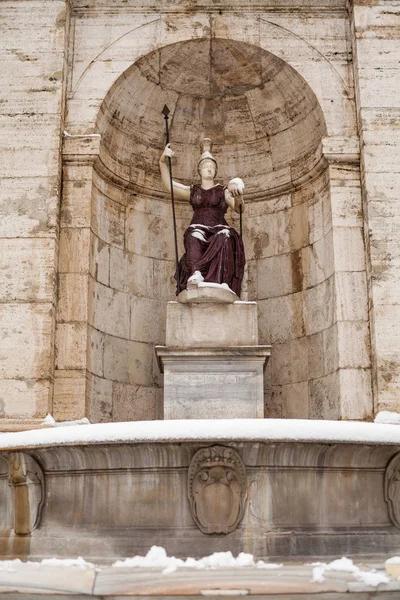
(211, 246)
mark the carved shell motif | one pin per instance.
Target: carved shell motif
(217, 489)
(392, 489)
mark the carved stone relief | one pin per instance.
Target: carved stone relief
(392, 489)
(217, 489)
(26, 478)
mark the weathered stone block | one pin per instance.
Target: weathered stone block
(354, 344)
(109, 311)
(76, 202)
(33, 210)
(316, 262)
(148, 320)
(355, 394)
(132, 273)
(100, 399)
(324, 397)
(69, 395)
(108, 219)
(133, 403)
(26, 336)
(73, 297)
(294, 399)
(145, 235)
(74, 250)
(24, 398)
(95, 354)
(127, 361)
(351, 296)
(318, 308)
(289, 362)
(211, 325)
(71, 342)
(349, 249)
(323, 356)
(281, 319)
(28, 269)
(100, 266)
(274, 276)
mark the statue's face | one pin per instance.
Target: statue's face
(207, 169)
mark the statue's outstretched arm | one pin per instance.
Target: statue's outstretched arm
(234, 194)
(182, 192)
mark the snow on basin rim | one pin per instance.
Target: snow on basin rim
(222, 430)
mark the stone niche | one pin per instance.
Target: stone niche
(267, 127)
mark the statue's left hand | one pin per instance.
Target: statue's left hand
(236, 187)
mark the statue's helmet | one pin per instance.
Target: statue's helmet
(206, 154)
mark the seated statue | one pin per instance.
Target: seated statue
(214, 252)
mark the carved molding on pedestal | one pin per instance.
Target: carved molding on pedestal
(26, 478)
(217, 489)
(392, 489)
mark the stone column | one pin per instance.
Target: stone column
(352, 354)
(376, 52)
(70, 381)
(34, 38)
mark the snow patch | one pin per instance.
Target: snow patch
(67, 562)
(9, 565)
(385, 416)
(157, 557)
(199, 235)
(84, 135)
(50, 420)
(218, 430)
(372, 578)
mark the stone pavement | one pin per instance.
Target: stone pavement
(289, 581)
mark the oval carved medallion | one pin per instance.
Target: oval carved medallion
(217, 489)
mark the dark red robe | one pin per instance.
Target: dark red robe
(211, 246)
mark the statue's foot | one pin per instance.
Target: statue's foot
(195, 279)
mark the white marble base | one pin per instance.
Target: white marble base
(209, 293)
(213, 383)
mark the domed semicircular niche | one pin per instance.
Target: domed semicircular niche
(266, 125)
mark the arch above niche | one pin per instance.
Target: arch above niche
(264, 119)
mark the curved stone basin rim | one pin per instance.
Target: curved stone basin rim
(206, 431)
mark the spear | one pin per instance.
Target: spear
(165, 112)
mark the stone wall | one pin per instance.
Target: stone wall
(32, 41)
(132, 268)
(375, 40)
(321, 237)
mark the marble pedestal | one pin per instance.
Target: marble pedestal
(212, 363)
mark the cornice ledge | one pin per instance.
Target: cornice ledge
(341, 150)
(82, 149)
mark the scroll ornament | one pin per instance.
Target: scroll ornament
(26, 478)
(392, 489)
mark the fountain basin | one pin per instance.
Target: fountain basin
(312, 489)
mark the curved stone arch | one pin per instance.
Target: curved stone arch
(319, 294)
(328, 77)
(283, 115)
(130, 120)
(274, 44)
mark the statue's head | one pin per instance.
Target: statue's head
(207, 165)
